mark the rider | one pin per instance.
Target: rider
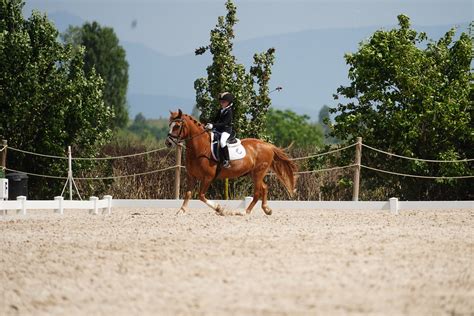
(223, 124)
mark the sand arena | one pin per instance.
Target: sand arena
(152, 262)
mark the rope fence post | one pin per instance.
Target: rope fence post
(357, 159)
(177, 172)
(69, 171)
(4, 156)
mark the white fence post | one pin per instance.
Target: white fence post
(22, 200)
(109, 203)
(394, 206)
(60, 209)
(94, 210)
(69, 172)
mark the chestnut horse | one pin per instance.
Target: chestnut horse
(200, 165)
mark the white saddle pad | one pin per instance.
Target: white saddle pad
(236, 150)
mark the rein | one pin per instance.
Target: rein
(176, 139)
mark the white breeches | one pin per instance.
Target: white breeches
(224, 137)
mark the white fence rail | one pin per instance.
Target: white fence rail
(21, 205)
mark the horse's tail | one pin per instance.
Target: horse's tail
(284, 169)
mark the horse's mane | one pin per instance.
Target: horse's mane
(192, 119)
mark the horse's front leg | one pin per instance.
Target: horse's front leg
(191, 181)
(216, 207)
(205, 183)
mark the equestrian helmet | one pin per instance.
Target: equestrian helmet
(226, 96)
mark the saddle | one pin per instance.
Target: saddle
(236, 149)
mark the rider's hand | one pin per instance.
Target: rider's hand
(208, 126)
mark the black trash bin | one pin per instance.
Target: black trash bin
(17, 185)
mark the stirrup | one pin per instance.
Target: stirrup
(226, 164)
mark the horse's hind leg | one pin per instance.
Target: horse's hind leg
(265, 207)
(256, 196)
(260, 189)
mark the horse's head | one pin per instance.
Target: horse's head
(177, 130)
(183, 127)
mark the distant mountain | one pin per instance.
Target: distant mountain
(309, 65)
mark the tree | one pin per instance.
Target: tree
(149, 129)
(324, 119)
(324, 114)
(412, 97)
(47, 101)
(105, 55)
(290, 128)
(225, 74)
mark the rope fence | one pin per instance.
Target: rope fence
(123, 156)
(36, 154)
(327, 169)
(129, 175)
(417, 159)
(357, 165)
(36, 174)
(323, 154)
(416, 176)
(87, 158)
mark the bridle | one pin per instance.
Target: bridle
(177, 140)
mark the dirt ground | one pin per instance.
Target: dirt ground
(152, 262)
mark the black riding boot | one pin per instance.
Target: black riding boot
(226, 162)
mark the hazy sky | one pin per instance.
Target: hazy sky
(178, 27)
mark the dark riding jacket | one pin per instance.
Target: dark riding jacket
(223, 120)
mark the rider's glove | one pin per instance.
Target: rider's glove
(209, 126)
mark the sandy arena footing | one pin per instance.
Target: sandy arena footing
(152, 262)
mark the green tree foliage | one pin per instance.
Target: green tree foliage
(411, 96)
(324, 119)
(324, 114)
(104, 54)
(47, 101)
(144, 128)
(225, 74)
(286, 127)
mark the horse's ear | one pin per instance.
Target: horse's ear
(179, 113)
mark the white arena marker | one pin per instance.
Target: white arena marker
(211, 203)
(94, 209)
(109, 203)
(394, 206)
(247, 201)
(22, 200)
(60, 209)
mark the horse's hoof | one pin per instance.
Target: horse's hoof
(181, 211)
(268, 211)
(220, 211)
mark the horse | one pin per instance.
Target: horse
(200, 166)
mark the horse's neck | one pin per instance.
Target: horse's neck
(199, 142)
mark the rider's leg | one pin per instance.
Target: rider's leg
(224, 137)
(225, 150)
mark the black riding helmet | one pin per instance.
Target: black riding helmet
(226, 96)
